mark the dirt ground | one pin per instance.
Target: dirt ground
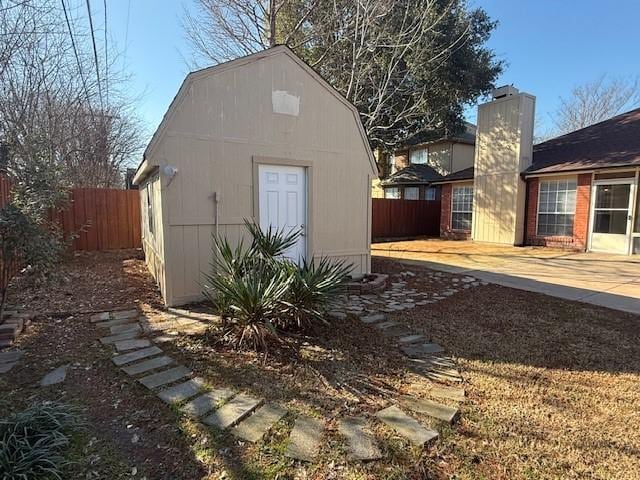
(552, 386)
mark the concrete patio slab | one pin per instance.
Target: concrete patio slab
(606, 280)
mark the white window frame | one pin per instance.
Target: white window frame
(150, 219)
(419, 151)
(412, 189)
(428, 190)
(454, 211)
(392, 165)
(557, 182)
(389, 190)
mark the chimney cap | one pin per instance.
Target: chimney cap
(504, 91)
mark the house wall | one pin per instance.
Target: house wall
(445, 157)
(446, 197)
(503, 150)
(214, 134)
(578, 241)
(462, 157)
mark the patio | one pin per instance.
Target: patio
(611, 281)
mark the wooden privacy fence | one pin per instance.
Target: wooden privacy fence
(405, 218)
(102, 219)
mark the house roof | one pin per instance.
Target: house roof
(468, 136)
(612, 143)
(144, 168)
(413, 174)
(460, 175)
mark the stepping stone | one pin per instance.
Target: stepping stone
(429, 361)
(411, 339)
(100, 317)
(304, 441)
(398, 331)
(431, 408)
(138, 368)
(124, 314)
(118, 338)
(207, 402)
(125, 345)
(232, 412)
(385, 325)
(182, 391)
(10, 357)
(6, 366)
(55, 376)
(253, 428)
(162, 378)
(113, 323)
(137, 355)
(127, 328)
(406, 426)
(376, 317)
(360, 444)
(441, 377)
(421, 350)
(338, 315)
(456, 394)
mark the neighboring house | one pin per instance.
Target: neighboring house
(262, 137)
(412, 183)
(444, 156)
(579, 191)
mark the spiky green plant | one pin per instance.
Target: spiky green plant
(271, 243)
(32, 441)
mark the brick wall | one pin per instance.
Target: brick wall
(445, 216)
(580, 223)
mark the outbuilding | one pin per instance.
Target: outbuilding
(263, 138)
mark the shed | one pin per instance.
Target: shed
(262, 137)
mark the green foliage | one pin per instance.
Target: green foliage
(259, 291)
(32, 441)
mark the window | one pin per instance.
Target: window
(611, 208)
(556, 207)
(392, 164)
(419, 156)
(430, 193)
(462, 207)
(392, 192)
(150, 208)
(411, 193)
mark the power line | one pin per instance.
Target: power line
(126, 35)
(75, 52)
(95, 55)
(106, 55)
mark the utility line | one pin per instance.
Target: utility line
(95, 55)
(75, 52)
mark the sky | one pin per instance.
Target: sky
(548, 46)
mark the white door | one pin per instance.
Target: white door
(611, 216)
(283, 203)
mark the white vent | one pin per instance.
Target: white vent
(505, 91)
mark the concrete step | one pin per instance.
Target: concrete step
(456, 394)
(406, 426)
(182, 391)
(148, 365)
(232, 412)
(135, 356)
(304, 440)
(432, 409)
(164, 378)
(420, 350)
(132, 344)
(361, 445)
(126, 328)
(206, 402)
(111, 339)
(253, 428)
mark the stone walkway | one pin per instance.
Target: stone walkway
(9, 359)
(245, 416)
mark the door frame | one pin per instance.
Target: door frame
(633, 183)
(307, 165)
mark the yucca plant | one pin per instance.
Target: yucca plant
(315, 286)
(271, 243)
(32, 441)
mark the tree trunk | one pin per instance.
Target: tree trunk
(272, 23)
(3, 303)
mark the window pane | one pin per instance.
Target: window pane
(430, 193)
(461, 221)
(391, 193)
(411, 193)
(636, 228)
(610, 221)
(418, 156)
(612, 196)
(555, 224)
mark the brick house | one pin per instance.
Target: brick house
(578, 191)
(412, 168)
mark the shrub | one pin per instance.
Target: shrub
(258, 290)
(32, 441)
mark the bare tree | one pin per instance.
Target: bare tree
(409, 66)
(596, 101)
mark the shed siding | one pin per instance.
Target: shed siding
(153, 243)
(214, 135)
